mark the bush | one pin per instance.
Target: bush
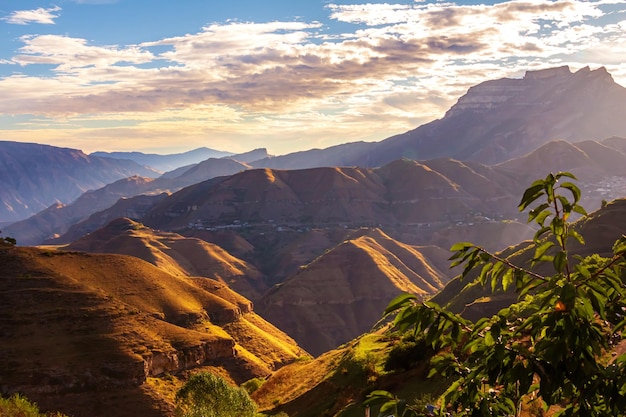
(252, 385)
(19, 406)
(209, 395)
(408, 353)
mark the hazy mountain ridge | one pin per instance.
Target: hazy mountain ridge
(494, 121)
(33, 176)
(166, 162)
(319, 196)
(58, 219)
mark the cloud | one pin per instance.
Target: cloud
(399, 67)
(41, 16)
(70, 54)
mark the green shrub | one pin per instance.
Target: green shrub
(252, 385)
(408, 353)
(209, 395)
(19, 406)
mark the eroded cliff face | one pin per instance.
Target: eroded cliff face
(175, 361)
(535, 89)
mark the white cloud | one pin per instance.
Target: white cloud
(402, 66)
(41, 16)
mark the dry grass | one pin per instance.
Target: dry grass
(76, 324)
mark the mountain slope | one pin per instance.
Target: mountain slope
(495, 121)
(33, 176)
(341, 294)
(84, 332)
(404, 192)
(56, 220)
(175, 254)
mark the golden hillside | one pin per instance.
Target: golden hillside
(83, 333)
(342, 293)
(174, 254)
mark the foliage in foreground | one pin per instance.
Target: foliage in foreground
(550, 347)
(209, 395)
(19, 406)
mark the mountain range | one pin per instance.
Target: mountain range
(167, 162)
(33, 176)
(493, 122)
(153, 276)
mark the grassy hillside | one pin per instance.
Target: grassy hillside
(85, 334)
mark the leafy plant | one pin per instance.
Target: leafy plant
(209, 395)
(550, 348)
(19, 406)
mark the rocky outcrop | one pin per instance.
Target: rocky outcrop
(175, 361)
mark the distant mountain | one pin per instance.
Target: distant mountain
(495, 121)
(590, 160)
(341, 294)
(167, 162)
(403, 192)
(349, 154)
(89, 333)
(130, 207)
(243, 159)
(33, 176)
(56, 220)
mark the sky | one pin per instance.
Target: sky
(170, 76)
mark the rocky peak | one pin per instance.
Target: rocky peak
(528, 91)
(543, 74)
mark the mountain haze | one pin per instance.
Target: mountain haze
(166, 162)
(33, 176)
(56, 220)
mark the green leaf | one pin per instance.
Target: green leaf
(489, 341)
(507, 279)
(573, 233)
(579, 209)
(402, 300)
(619, 247)
(560, 261)
(537, 211)
(574, 189)
(540, 233)
(531, 194)
(461, 246)
(541, 250)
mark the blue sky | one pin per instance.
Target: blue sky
(168, 76)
